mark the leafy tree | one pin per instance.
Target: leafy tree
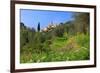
(81, 22)
(22, 26)
(59, 30)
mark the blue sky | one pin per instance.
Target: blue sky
(31, 17)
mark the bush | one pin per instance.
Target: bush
(72, 44)
(83, 40)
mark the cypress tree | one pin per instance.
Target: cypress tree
(38, 27)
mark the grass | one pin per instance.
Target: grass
(61, 49)
(58, 42)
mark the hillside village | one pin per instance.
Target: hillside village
(49, 27)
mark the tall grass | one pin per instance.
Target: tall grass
(60, 49)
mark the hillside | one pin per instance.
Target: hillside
(64, 42)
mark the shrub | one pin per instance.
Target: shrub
(71, 45)
(83, 40)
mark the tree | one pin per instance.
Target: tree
(23, 36)
(81, 21)
(38, 27)
(59, 30)
(33, 30)
(22, 26)
(69, 27)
